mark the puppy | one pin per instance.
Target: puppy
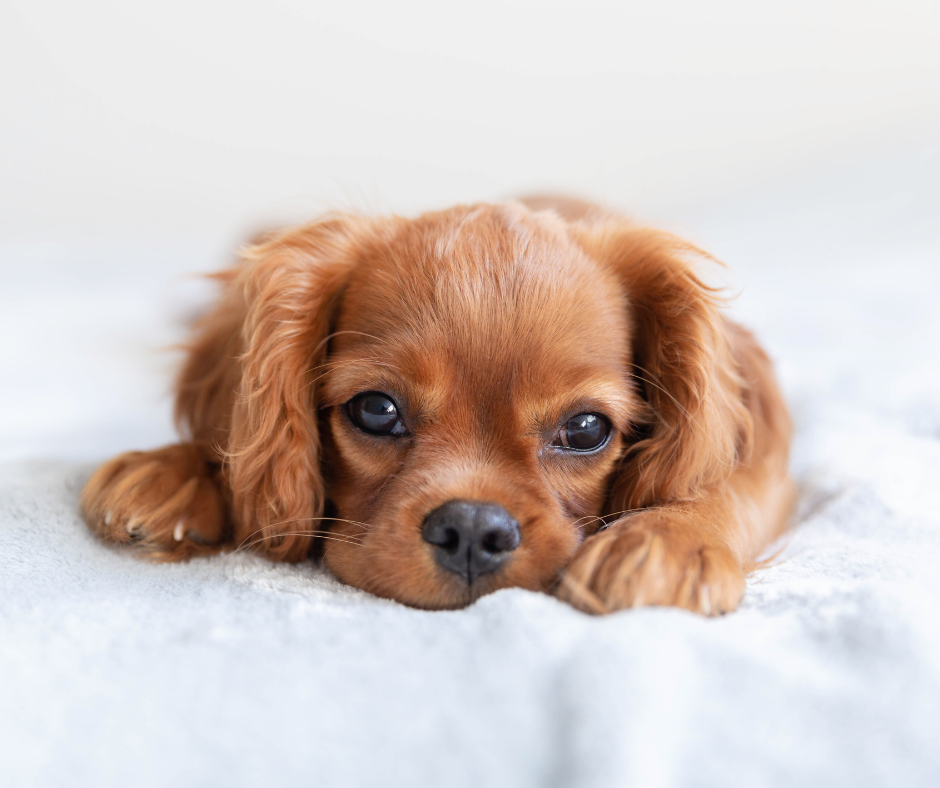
(538, 394)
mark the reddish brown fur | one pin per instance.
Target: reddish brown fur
(491, 325)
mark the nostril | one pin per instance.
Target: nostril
(498, 531)
(500, 540)
(490, 542)
(450, 540)
(447, 537)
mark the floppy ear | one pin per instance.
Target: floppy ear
(697, 425)
(248, 390)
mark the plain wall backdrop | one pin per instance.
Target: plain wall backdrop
(193, 117)
(140, 142)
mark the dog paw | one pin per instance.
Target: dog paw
(653, 558)
(163, 503)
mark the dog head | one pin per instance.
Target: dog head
(464, 394)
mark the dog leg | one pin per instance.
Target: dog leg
(692, 555)
(166, 503)
(656, 557)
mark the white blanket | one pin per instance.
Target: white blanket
(237, 672)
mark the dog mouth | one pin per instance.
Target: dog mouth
(455, 593)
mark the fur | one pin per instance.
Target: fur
(490, 325)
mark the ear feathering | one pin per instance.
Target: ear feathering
(246, 391)
(696, 427)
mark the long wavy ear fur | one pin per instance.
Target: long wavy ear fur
(697, 426)
(247, 393)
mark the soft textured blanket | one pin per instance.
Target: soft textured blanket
(237, 672)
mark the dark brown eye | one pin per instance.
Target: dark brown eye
(375, 413)
(585, 432)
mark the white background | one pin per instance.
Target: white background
(188, 116)
(140, 142)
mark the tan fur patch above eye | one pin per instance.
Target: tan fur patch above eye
(606, 395)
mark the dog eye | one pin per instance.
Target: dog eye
(376, 413)
(585, 432)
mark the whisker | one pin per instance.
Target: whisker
(343, 361)
(365, 526)
(319, 534)
(316, 533)
(690, 416)
(339, 365)
(678, 404)
(604, 517)
(337, 333)
(627, 511)
(590, 518)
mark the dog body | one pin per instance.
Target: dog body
(537, 394)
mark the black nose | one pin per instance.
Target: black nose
(472, 538)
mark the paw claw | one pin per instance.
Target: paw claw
(705, 601)
(163, 502)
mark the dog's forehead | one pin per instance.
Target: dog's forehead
(489, 311)
(472, 280)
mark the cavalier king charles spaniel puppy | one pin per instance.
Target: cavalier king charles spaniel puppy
(539, 394)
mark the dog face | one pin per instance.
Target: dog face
(451, 401)
(476, 400)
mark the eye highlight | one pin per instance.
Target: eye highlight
(584, 432)
(376, 414)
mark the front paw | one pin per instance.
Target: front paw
(657, 557)
(162, 502)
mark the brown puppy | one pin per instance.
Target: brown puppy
(536, 394)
